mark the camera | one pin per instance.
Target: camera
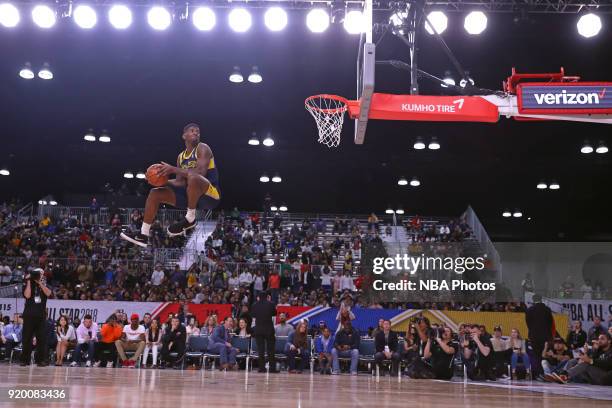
(35, 275)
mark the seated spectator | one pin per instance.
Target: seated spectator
(577, 337)
(66, 337)
(595, 368)
(133, 339)
(411, 348)
(209, 327)
(192, 327)
(174, 341)
(86, 340)
(519, 351)
(345, 314)
(110, 332)
(441, 350)
(596, 330)
(220, 342)
(501, 352)
(346, 345)
(11, 335)
(243, 329)
(478, 356)
(324, 344)
(153, 341)
(386, 343)
(297, 346)
(555, 359)
(283, 328)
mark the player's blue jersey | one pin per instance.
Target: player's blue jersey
(189, 161)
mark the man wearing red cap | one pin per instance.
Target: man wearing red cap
(133, 339)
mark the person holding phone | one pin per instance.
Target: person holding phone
(87, 337)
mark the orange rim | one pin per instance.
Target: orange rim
(310, 105)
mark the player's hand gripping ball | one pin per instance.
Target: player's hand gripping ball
(154, 178)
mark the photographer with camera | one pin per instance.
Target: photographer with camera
(35, 293)
(478, 355)
(441, 352)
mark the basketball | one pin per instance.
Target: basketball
(153, 178)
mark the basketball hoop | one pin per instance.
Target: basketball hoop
(328, 112)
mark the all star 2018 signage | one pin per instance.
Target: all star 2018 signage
(567, 98)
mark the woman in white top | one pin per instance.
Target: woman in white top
(153, 337)
(519, 349)
(192, 328)
(66, 336)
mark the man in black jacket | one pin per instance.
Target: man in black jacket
(387, 347)
(174, 342)
(346, 345)
(539, 322)
(595, 369)
(577, 337)
(263, 311)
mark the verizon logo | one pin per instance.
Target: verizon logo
(568, 98)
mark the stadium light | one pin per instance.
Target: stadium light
(52, 202)
(601, 148)
(236, 76)
(255, 76)
(397, 20)
(542, 186)
(402, 181)
(120, 16)
(254, 141)
(204, 18)
(273, 208)
(415, 182)
(399, 212)
(419, 145)
(517, 214)
(264, 179)
(85, 16)
(354, 22)
(389, 211)
(128, 175)
(268, 141)
(448, 80)
(586, 148)
(159, 18)
(463, 82)
(43, 16)
(240, 20)
(475, 22)
(42, 202)
(554, 185)
(9, 15)
(140, 175)
(275, 19)
(26, 72)
(104, 137)
(283, 208)
(434, 144)
(589, 25)
(506, 214)
(5, 172)
(439, 21)
(276, 178)
(317, 20)
(89, 136)
(45, 72)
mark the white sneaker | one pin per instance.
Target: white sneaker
(88, 364)
(96, 364)
(109, 364)
(73, 364)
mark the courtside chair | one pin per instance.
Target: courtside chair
(196, 347)
(367, 348)
(243, 345)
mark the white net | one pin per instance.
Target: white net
(328, 112)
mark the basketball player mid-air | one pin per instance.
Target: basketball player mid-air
(196, 185)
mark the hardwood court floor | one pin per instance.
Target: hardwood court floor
(100, 387)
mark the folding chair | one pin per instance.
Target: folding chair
(367, 348)
(196, 347)
(243, 345)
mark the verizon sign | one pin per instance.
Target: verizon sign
(578, 98)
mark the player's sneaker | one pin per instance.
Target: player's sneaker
(179, 228)
(136, 239)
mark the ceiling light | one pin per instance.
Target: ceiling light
(26, 72)
(255, 76)
(415, 182)
(274, 208)
(317, 20)
(397, 21)
(268, 141)
(120, 17)
(264, 179)
(5, 172)
(128, 175)
(463, 82)
(275, 18)
(419, 145)
(554, 185)
(85, 16)
(400, 212)
(402, 182)
(159, 18)
(354, 22)
(589, 25)
(439, 21)
(517, 214)
(434, 145)
(276, 179)
(254, 141)
(9, 15)
(240, 20)
(236, 76)
(586, 148)
(43, 16)
(52, 202)
(140, 175)
(475, 22)
(448, 80)
(542, 186)
(89, 136)
(42, 202)
(45, 72)
(506, 214)
(204, 18)
(601, 148)
(104, 137)
(283, 207)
